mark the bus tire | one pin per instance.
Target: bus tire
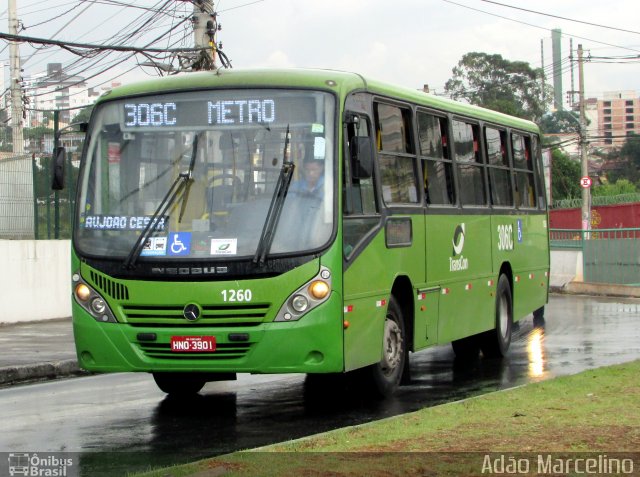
(179, 384)
(495, 343)
(386, 375)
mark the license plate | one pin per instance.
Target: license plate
(193, 344)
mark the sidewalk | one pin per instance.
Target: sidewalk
(37, 350)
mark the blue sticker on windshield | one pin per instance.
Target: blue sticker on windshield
(179, 243)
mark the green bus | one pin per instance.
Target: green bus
(301, 221)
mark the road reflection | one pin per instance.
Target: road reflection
(535, 351)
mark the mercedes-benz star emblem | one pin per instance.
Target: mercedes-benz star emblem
(191, 312)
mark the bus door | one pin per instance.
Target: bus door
(363, 242)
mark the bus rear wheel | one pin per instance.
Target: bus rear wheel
(180, 384)
(495, 343)
(386, 375)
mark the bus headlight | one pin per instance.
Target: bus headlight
(299, 303)
(319, 289)
(92, 302)
(83, 292)
(310, 295)
(98, 305)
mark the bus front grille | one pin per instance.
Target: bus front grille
(218, 316)
(223, 351)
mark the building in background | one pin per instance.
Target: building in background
(618, 117)
(55, 90)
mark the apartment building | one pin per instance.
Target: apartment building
(618, 117)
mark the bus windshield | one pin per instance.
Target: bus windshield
(194, 173)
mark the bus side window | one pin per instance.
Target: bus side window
(434, 153)
(539, 172)
(395, 154)
(523, 171)
(469, 163)
(501, 192)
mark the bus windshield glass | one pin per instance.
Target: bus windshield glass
(194, 174)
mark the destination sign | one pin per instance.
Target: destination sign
(176, 114)
(116, 222)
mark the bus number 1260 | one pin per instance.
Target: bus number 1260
(236, 295)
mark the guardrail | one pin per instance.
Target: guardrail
(609, 255)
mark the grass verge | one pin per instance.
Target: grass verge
(594, 412)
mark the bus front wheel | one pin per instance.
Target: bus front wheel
(495, 343)
(179, 384)
(386, 375)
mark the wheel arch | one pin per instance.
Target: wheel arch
(402, 290)
(505, 269)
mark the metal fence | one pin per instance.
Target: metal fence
(29, 209)
(597, 201)
(609, 255)
(16, 197)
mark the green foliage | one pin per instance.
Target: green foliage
(560, 122)
(83, 115)
(620, 187)
(37, 133)
(511, 87)
(565, 176)
(629, 157)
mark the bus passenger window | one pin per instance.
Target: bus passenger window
(501, 192)
(397, 162)
(434, 152)
(469, 163)
(523, 171)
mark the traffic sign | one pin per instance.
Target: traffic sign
(585, 182)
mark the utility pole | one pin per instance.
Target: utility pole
(16, 80)
(204, 31)
(542, 67)
(586, 191)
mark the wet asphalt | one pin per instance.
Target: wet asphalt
(122, 421)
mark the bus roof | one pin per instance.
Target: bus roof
(323, 79)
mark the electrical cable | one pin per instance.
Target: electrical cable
(561, 18)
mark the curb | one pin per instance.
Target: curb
(39, 371)
(598, 289)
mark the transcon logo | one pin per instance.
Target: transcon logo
(189, 270)
(458, 240)
(460, 263)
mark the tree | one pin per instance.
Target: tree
(620, 187)
(629, 160)
(565, 176)
(560, 122)
(83, 115)
(511, 87)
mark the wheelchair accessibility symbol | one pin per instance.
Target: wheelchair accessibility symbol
(179, 243)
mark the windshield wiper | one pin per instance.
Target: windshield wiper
(275, 208)
(182, 183)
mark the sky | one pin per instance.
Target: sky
(408, 42)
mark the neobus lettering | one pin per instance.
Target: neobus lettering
(237, 112)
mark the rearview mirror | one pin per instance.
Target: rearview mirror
(361, 157)
(58, 162)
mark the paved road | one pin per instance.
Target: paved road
(98, 416)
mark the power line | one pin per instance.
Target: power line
(67, 45)
(538, 26)
(561, 18)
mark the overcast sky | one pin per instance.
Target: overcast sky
(409, 42)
